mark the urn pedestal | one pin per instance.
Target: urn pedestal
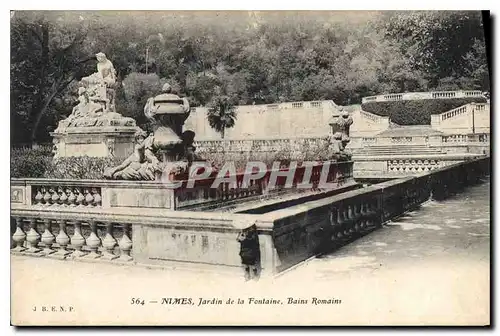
(107, 141)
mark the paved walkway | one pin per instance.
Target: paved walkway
(429, 267)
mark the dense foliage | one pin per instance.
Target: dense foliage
(416, 112)
(237, 57)
(30, 162)
(83, 167)
(38, 162)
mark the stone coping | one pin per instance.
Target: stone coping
(422, 95)
(95, 130)
(446, 157)
(90, 183)
(146, 216)
(290, 138)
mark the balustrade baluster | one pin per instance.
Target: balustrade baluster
(97, 197)
(352, 219)
(89, 199)
(93, 241)
(33, 238)
(63, 240)
(48, 238)
(109, 243)
(19, 237)
(54, 199)
(47, 197)
(364, 214)
(71, 197)
(80, 198)
(357, 217)
(78, 241)
(125, 244)
(340, 224)
(39, 197)
(63, 198)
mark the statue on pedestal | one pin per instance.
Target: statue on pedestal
(96, 100)
(340, 134)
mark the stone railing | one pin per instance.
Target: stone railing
(374, 117)
(286, 236)
(202, 194)
(395, 165)
(423, 95)
(365, 144)
(309, 229)
(60, 193)
(456, 138)
(398, 140)
(455, 112)
(258, 145)
(412, 166)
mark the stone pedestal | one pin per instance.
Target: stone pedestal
(105, 141)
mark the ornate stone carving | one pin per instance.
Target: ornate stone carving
(340, 133)
(249, 251)
(141, 165)
(96, 100)
(167, 148)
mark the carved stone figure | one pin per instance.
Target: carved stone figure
(141, 165)
(340, 130)
(100, 85)
(167, 148)
(96, 100)
(336, 143)
(250, 252)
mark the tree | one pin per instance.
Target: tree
(46, 57)
(221, 113)
(442, 44)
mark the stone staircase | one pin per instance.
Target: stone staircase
(396, 150)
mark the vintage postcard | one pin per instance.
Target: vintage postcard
(250, 168)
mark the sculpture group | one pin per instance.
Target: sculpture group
(96, 99)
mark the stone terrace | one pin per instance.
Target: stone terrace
(439, 265)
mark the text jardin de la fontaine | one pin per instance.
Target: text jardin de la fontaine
(250, 300)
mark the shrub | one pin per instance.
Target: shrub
(416, 112)
(38, 162)
(30, 162)
(81, 167)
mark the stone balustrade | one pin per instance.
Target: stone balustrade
(286, 236)
(71, 235)
(201, 193)
(298, 144)
(397, 165)
(258, 145)
(423, 95)
(455, 112)
(374, 117)
(53, 193)
(316, 227)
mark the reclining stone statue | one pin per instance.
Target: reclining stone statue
(141, 165)
(166, 147)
